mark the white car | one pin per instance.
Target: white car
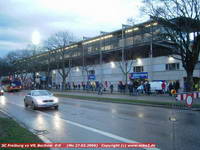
(156, 87)
(40, 99)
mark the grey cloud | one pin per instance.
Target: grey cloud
(19, 18)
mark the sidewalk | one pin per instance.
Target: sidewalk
(149, 100)
(153, 98)
(2, 115)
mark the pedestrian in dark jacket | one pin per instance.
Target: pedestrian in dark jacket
(177, 86)
(111, 88)
(148, 87)
(163, 85)
(100, 90)
(131, 89)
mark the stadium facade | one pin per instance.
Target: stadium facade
(131, 53)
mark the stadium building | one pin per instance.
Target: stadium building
(128, 54)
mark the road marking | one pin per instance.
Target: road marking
(107, 134)
(46, 140)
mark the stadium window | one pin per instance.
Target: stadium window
(108, 47)
(91, 72)
(138, 69)
(89, 49)
(172, 66)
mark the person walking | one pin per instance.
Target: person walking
(163, 85)
(177, 86)
(144, 85)
(148, 88)
(131, 89)
(100, 89)
(111, 88)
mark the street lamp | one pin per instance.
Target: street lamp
(139, 61)
(77, 69)
(112, 64)
(124, 67)
(35, 41)
(171, 59)
(36, 38)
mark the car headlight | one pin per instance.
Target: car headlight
(56, 100)
(39, 101)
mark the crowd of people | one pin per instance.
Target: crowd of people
(134, 87)
(146, 87)
(88, 86)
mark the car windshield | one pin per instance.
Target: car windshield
(41, 93)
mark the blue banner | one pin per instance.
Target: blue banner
(91, 77)
(139, 75)
(43, 78)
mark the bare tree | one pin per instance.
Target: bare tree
(58, 42)
(130, 21)
(181, 23)
(126, 68)
(48, 49)
(14, 57)
(32, 64)
(6, 67)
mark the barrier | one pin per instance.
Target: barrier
(183, 96)
(188, 97)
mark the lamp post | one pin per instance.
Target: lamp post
(101, 55)
(83, 61)
(35, 39)
(48, 67)
(151, 53)
(100, 60)
(124, 65)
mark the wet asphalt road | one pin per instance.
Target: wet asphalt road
(88, 121)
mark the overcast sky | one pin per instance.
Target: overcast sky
(20, 18)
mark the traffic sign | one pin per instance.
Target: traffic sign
(189, 100)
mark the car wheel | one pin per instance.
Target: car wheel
(25, 104)
(56, 107)
(33, 106)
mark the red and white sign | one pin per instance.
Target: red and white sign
(188, 97)
(183, 96)
(189, 100)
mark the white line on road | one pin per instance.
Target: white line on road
(46, 140)
(107, 134)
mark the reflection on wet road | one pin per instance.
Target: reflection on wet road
(88, 121)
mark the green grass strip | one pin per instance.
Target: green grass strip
(127, 101)
(12, 132)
